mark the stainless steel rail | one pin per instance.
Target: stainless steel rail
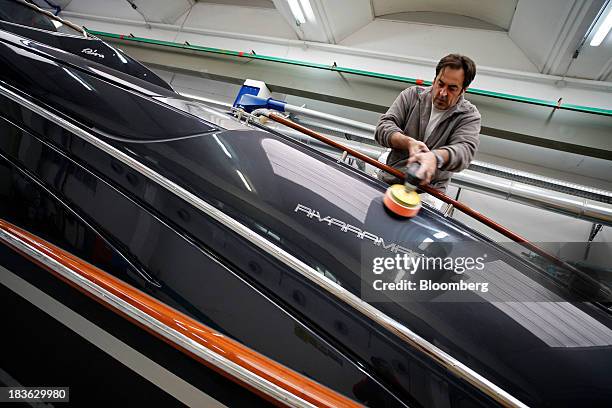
(54, 17)
(548, 183)
(562, 203)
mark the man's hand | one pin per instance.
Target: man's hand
(401, 141)
(428, 163)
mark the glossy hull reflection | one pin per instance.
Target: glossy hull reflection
(225, 226)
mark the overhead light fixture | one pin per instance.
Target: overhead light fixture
(296, 10)
(603, 30)
(308, 10)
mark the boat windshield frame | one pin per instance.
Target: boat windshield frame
(50, 16)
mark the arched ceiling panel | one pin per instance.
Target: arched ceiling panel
(497, 12)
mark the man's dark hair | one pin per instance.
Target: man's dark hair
(458, 61)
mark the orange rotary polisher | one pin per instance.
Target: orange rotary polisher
(402, 199)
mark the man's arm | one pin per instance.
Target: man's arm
(456, 155)
(394, 120)
(390, 128)
(401, 141)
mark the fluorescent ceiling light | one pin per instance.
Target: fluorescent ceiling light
(308, 10)
(603, 30)
(296, 10)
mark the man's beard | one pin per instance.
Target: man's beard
(440, 102)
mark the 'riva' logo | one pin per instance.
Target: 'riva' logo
(89, 51)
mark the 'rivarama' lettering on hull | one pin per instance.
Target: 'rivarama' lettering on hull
(358, 232)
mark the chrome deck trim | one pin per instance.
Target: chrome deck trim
(215, 359)
(54, 17)
(408, 336)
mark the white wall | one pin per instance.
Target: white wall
(248, 20)
(485, 47)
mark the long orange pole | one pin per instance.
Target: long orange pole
(253, 362)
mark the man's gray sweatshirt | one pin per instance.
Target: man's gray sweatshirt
(457, 132)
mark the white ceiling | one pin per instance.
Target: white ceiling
(496, 12)
(550, 31)
(162, 11)
(545, 32)
(244, 3)
(441, 19)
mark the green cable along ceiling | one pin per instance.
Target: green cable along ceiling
(240, 54)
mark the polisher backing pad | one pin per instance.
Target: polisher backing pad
(401, 201)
